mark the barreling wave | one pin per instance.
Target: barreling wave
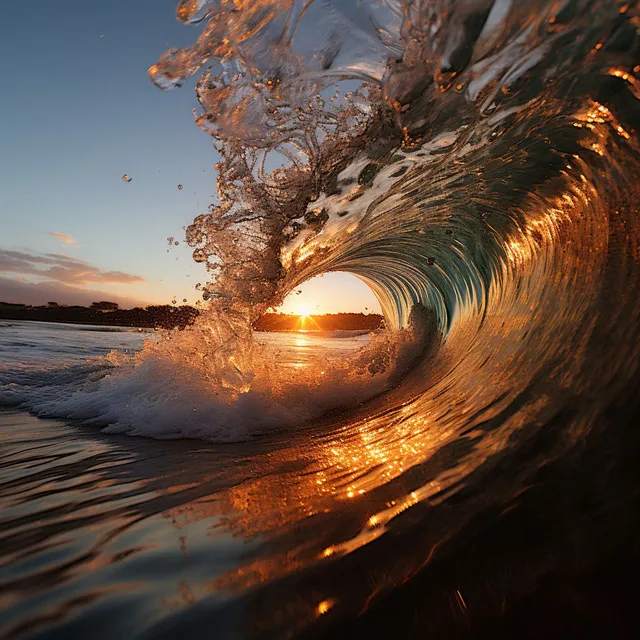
(476, 159)
(476, 163)
(458, 157)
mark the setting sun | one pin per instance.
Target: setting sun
(303, 310)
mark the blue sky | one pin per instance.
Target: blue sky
(77, 112)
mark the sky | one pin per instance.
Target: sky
(77, 113)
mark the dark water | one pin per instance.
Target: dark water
(472, 472)
(104, 536)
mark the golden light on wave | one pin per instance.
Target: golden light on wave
(324, 606)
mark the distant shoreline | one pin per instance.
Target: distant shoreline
(108, 314)
(103, 313)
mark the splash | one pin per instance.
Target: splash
(153, 394)
(281, 123)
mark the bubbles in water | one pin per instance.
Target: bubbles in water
(199, 255)
(126, 178)
(170, 240)
(180, 187)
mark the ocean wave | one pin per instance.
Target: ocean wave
(152, 393)
(477, 159)
(477, 165)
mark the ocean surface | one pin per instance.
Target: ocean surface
(107, 535)
(470, 471)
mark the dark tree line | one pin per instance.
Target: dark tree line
(168, 317)
(104, 313)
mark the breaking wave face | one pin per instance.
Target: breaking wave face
(476, 164)
(463, 158)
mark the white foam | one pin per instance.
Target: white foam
(151, 394)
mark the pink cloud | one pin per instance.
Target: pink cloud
(66, 239)
(61, 268)
(21, 291)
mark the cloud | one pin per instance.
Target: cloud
(61, 268)
(21, 291)
(66, 239)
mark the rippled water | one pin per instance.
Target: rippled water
(472, 469)
(108, 535)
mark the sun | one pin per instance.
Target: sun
(303, 310)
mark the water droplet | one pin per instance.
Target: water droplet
(184, 299)
(126, 178)
(176, 243)
(180, 187)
